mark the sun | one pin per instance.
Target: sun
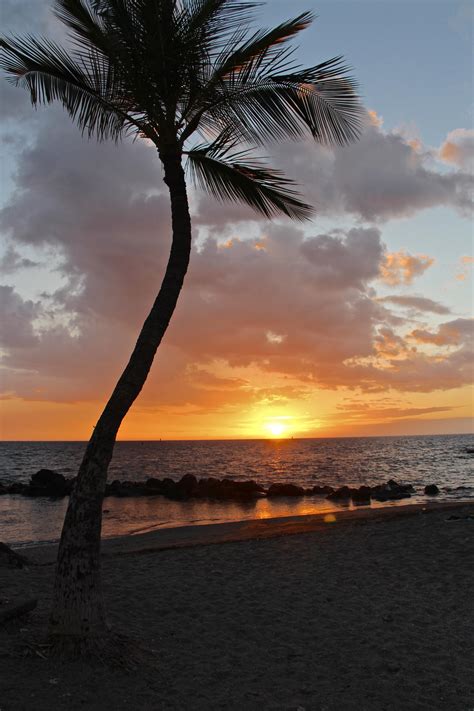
(276, 429)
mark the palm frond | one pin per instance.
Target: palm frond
(245, 56)
(88, 90)
(84, 22)
(216, 20)
(321, 101)
(240, 61)
(256, 89)
(234, 176)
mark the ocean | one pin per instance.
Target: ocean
(445, 460)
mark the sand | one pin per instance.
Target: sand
(371, 612)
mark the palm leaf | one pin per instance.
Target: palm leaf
(88, 90)
(84, 22)
(216, 20)
(239, 62)
(244, 55)
(231, 176)
(322, 101)
(255, 89)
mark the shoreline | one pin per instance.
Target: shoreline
(372, 611)
(192, 536)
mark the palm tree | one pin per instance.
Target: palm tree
(192, 77)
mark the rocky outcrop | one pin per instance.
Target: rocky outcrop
(361, 496)
(320, 490)
(392, 491)
(341, 494)
(229, 489)
(285, 490)
(47, 482)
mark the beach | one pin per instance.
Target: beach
(370, 611)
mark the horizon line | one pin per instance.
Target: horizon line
(250, 439)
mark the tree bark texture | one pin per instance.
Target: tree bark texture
(78, 609)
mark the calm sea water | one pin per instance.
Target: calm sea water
(443, 460)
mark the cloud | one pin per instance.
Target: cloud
(369, 411)
(458, 148)
(465, 262)
(375, 119)
(16, 319)
(104, 210)
(279, 311)
(455, 332)
(418, 303)
(11, 261)
(381, 177)
(402, 268)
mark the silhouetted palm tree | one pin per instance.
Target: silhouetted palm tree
(194, 78)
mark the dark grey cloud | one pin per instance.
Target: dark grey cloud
(11, 261)
(379, 178)
(418, 303)
(16, 319)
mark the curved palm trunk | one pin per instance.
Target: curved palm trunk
(78, 614)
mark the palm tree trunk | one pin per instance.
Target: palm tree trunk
(78, 615)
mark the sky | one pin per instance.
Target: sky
(358, 323)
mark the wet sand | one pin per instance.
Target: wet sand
(373, 611)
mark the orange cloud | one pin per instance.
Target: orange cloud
(466, 262)
(375, 119)
(448, 334)
(458, 149)
(401, 267)
(450, 152)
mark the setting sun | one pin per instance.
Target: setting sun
(276, 429)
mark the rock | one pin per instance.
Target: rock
(3, 490)
(391, 491)
(340, 494)
(390, 495)
(187, 486)
(285, 490)
(153, 486)
(321, 490)
(240, 489)
(431, 490)
(17, 488)
(47, 483)
(228, 489)
(169, 488)
(123, 489)
(362, 495)
(153, 483)
(400, 488)
(112, 488)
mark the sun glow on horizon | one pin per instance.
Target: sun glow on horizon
(276, 428)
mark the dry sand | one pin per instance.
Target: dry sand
(372, 612)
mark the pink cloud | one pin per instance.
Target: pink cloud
(402, 268)
(458, 148)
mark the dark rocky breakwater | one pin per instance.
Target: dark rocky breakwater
(48, 483)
